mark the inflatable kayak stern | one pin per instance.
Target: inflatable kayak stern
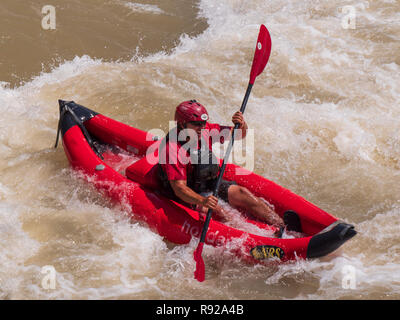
(329, 239)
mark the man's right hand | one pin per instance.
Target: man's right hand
(183, 192)
(210, 202)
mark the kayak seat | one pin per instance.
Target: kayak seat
(144, 173)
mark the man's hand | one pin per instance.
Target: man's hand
(238, 118)
(242, 131)
(210, 202)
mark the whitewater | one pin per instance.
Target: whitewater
(326, 117)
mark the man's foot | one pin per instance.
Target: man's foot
(292, 221)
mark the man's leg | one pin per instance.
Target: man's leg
(241, 197)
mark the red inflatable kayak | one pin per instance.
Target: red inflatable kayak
(112, 156)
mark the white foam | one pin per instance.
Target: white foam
(16, 247)
(4, 191)
(26, 111)
(143, 8)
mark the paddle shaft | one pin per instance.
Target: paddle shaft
(222, 170)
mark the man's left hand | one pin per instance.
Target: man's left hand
(238, 118)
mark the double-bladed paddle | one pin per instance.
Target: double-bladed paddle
(261, 56)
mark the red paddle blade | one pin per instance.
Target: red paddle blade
(199, 273)
(261, 56)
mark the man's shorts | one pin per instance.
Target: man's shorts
(222, 191)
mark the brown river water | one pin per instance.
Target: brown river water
(325, 113)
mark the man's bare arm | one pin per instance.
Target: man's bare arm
(183, 192)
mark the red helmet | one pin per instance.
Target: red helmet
(190, 111)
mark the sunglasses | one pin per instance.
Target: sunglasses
(198, 123)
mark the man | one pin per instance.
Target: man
(189, 170)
